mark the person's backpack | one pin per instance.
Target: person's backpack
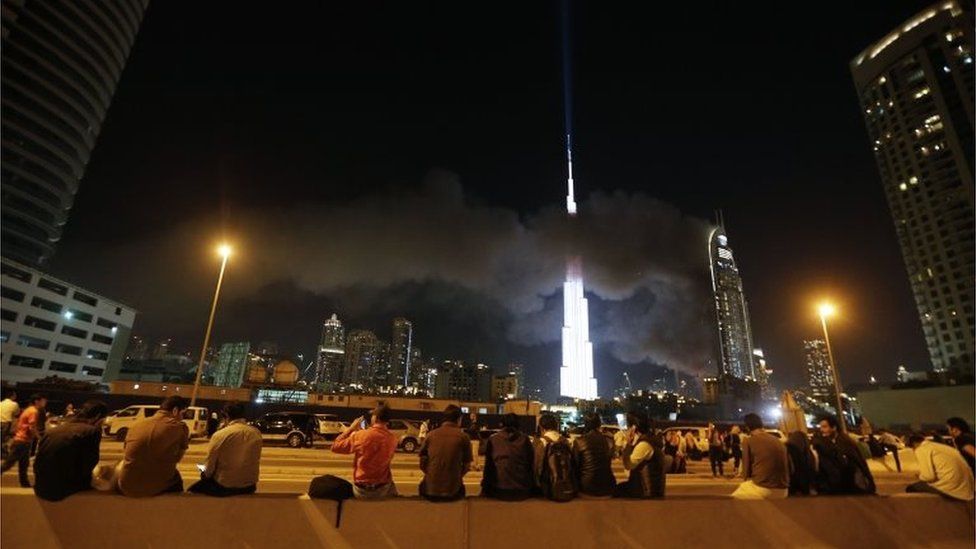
(559, 474)
(331, 487)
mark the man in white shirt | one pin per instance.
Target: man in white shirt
(234, 459)
(9, 410)
(941, 470)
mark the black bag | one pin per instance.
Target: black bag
(330, 487)
(559, 474)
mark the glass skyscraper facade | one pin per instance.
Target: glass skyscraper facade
(915, 86)
(61, 62)
(731, 311)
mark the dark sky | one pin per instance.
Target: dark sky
(267, 119)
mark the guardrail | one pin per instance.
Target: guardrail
(102, 521)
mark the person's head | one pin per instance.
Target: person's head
(828, 425)
(92, 411)
(70, 407)
(736, 430)
(798, 439)
(380, 414)
(510, 422)
(452, 414)
(38, 400)
(957, 426)
(234, 410)
(174, 405)
(548, 422)
(591, 421)
(914, 440)
(11, 394)
(639, 422)
(473, 415)
(752, 422)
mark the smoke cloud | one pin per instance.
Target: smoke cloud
(644, 262)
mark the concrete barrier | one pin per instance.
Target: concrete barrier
(96, 520)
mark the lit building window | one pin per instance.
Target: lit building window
(922, 93)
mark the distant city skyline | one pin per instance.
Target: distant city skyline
(808, 221)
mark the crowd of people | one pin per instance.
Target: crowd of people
(516, 465)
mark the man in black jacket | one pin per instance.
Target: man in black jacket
(592, 453)
(843, 470)
(67, 455)
(508, 463)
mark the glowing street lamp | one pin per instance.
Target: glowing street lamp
(827, 309)
(224, 250)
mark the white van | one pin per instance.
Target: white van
(117, 424)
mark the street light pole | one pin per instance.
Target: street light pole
(825, 311)
(224, 251)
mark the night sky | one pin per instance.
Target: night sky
(381, 159)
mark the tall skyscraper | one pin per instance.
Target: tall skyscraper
(231, 364)
(400, 357)
(820, 380)
(457, 380)
(763, 372)
(916, 91)
(732, 314)
(364, 358)
(331, 358)
(61, 62)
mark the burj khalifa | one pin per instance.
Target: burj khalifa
(576, 377)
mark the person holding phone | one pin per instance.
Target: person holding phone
(234, 459)
(372, 446)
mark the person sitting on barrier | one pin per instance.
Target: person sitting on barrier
(508, 463)
(373, 448)
(803, 463)
(26, 432)
(962, 437)
(153, 448)
(548, 432)
(445, 457)
(592, 454)
(234, 458)
(765, 466)
(67, 455)
(645, 459)
(842, 467)
(941, 470)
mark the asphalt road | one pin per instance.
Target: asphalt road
(288, 470)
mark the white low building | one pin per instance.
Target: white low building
(50, 327)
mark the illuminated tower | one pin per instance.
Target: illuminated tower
(576, 375)
(331, 353)
(732, 314)
(917, 92)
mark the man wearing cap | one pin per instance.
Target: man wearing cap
(372, 448)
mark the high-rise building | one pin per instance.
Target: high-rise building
(820, 378)
(916, 91)
(731, 311)
(505, 387)
(161, 348)
(331, 359)
(400, 355)
(61, 62)
(51, 327)
(763, 372)
(138, 348)
(576, 376)
(231, 364)
(457, 380)
(364, 358)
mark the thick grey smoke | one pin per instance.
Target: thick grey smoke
(643, 259)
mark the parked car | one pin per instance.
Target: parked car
(407, 432)
(117, 423)
(294, 428)
(329, 426)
